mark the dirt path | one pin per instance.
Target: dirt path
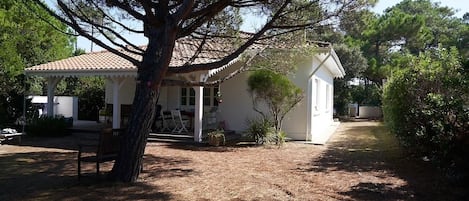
(361, 162)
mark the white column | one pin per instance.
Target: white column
(199, 109)
(198, 113)
(309, 110)
(116, 106)
(51, 85)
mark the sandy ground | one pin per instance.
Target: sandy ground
(362, 161)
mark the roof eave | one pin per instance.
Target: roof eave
(82, 73)
(339, 72)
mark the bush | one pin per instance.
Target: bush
(426, 106)
(261, 131)
(46, 126)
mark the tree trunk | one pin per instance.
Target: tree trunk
(150, 74)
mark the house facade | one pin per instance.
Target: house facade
(308, 121)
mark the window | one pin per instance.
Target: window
(214, 96)
(210, 96)
(317, 99)
(188, 96)
(207, 93)
(328, 97)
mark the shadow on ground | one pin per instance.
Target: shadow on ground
(372, 149)
(52, 176)
(69, 142)
(156, 167)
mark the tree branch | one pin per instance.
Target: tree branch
(183, 10)
(115, 21)
(243, 68)
(47, 21)
(202, 17)
(82, 16)
(124, 5)
(237, 52)
(72, 23)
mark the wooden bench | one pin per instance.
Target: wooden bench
(11, 136)
(105, 150)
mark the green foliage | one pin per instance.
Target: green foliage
(408, 27)
(46, 126)
(277, 92)
(261, 130)
(91, 93)
(283, 61)
(25, 40)
(369, 94)
(354, 64)
(281, 137)
(426, 106)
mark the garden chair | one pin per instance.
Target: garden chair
(106, 150)
(159, 124)
(179, 123)
(166, 121)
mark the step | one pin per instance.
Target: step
(170, 138)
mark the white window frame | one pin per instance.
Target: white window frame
(317, 90)
(328, 98)
(187, 96)
(185, 93)
(212, 96)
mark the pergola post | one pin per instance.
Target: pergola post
(116, 106)
(198, 113)
(51, 85)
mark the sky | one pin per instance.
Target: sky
(460, 6)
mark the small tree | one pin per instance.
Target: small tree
(277, 92)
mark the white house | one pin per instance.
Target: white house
(309, 121)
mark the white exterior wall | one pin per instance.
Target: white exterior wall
(295, 123)
(307, 121)
(172, 98)
(66, 106)
(236, 107)
(126, 92)
(301, 123)
(320, 116)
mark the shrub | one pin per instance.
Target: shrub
(280, 138)
(426, 106)
(261, 131)
(48, 126)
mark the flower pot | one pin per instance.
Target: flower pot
(216, 140)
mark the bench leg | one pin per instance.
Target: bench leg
(97, 169)
(79, 166)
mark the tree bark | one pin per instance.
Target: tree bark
(150, 74)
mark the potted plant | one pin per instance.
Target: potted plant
(216, 138)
